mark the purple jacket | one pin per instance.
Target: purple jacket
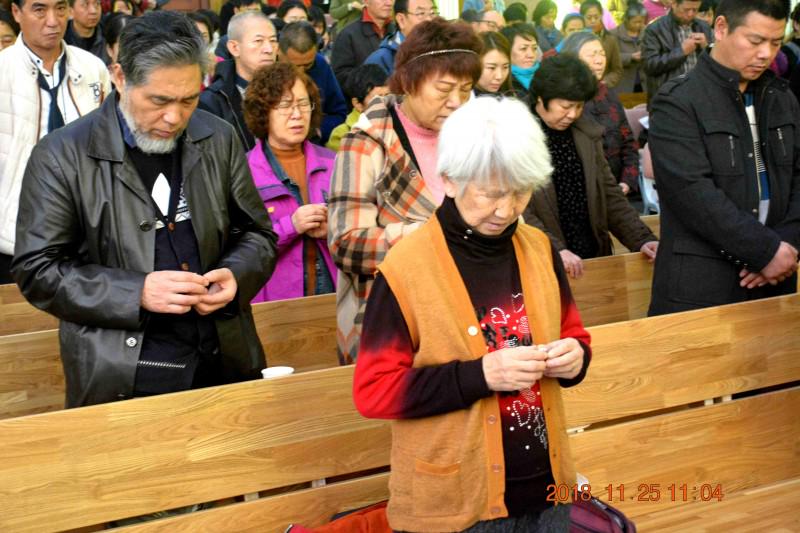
(280, 202)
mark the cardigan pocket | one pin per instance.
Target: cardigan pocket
(436, 489)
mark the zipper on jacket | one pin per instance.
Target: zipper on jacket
(780, 138)
(732, 144)
(162, 364)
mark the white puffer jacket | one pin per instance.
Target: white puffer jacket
(88, 83)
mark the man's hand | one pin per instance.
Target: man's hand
(309, 217)
(572, 263)
(751, 280)
(637, 56)
(511, 369)
(564, 358)
(783, 264)
(650, 249)
(221, 290)
(700, 39)
(173, 291)
(689, 45)
(624, 187)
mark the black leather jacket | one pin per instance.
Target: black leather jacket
(708, 186)
(86, 241)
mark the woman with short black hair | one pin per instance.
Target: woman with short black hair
(582, 202)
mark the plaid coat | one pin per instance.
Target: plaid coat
(377, 197)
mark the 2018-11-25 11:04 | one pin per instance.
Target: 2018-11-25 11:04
(645, 492)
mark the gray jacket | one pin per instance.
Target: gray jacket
(86, 241)
(662, 53)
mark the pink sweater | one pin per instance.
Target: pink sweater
(424, 142)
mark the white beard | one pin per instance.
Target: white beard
(144, 142)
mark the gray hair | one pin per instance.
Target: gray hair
(573, 42)
(159, 39)
(239, 21)
(490, 138)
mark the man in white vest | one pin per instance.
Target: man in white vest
(44, 84)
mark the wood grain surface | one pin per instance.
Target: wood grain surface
(665, 361)
(84, 466)
(742, 444)
(300, 333)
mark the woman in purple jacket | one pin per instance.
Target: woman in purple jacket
(282, 109)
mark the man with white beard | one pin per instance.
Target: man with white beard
(140, 228)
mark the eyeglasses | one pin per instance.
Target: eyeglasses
(287, 108)
(492, 24)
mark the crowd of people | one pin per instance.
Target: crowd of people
(160, 172)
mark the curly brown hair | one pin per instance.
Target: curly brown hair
(265, 91)
(412, 69)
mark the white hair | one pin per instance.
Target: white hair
(236, 26)
(490, 138)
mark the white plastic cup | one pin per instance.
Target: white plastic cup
(273, 372)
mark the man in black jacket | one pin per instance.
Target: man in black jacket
(672, 44)
(253, 44)
(83, 30)
(360, 38)
(140, 228)
(726, 154)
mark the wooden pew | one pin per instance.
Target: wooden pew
(83, 467)
(301, 333)
(650, 427)
(17, 316)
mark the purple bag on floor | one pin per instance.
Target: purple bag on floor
(595, 516)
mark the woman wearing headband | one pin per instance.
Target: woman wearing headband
(385, 183)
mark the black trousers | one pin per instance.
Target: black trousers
(5, 269)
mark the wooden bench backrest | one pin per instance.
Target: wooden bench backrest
(301, 333)
(17, 316)
(79, 467)
(643, 401)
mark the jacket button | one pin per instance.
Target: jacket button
(121, 396)
(131, 342)
(492, 419)
(755, 211)
(145, 225)
(387, 194)
(496, 468)
(472, 330)
(185, 267)
(750, 155)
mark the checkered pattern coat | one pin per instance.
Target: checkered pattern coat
(377, 197)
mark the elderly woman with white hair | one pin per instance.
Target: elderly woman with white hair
(469, 332)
